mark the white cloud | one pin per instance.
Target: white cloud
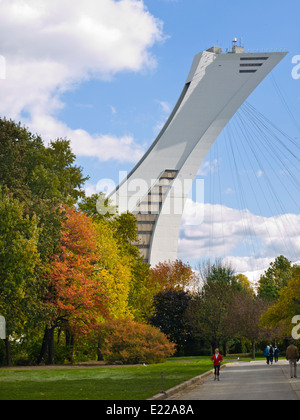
(90, 189)
(52, 46)
(229, 232)
(252, 267)
(165, 107)
(101, 146)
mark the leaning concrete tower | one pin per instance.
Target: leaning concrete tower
(157, 188)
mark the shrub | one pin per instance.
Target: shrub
(131, 342)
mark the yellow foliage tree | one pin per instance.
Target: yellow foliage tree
(286, 307)
(113, 271)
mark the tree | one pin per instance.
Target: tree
(40, 176)
(170, 306)
(124, 225)
(243, 318)
(89, 206)
(210, 305)
(244, 284)
(18, 258)
(275, 278)
(286, 307)
(75, 297)
(113, 270)
(127, 341)
(122, 232)
(213, 302)
(29, 168)
(172, 274)
(140, 298)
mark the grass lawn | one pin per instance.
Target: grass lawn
(105, 383)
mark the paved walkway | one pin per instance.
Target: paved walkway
(246, 381)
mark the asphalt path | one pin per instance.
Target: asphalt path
(246, 381)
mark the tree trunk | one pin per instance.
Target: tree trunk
(70, 343)
(7, 349)
(48, 344)
(43, 352)
(51, 346)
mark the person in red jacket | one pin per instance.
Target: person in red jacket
(217, 359)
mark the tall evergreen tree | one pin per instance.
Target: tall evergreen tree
(275, 278)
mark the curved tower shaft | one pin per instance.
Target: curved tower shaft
(157, 188)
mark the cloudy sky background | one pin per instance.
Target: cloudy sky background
(106, 74)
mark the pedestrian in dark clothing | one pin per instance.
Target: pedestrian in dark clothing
(267, 354)
(276, 354)
(292, 355)
(271, 354)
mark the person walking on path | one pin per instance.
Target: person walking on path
(276, 354)
(292, 355)
(271, 354)
(267, 354)
(217, 360)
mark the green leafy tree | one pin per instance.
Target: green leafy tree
(18, 258)
(40, 176)
(89, 206)
(275, 278)
(218, 273)
(210, 305)
(29, 168)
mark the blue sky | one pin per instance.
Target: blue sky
(106, 75)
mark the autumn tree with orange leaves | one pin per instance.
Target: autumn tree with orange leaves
(172, 275)
(75, 298)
